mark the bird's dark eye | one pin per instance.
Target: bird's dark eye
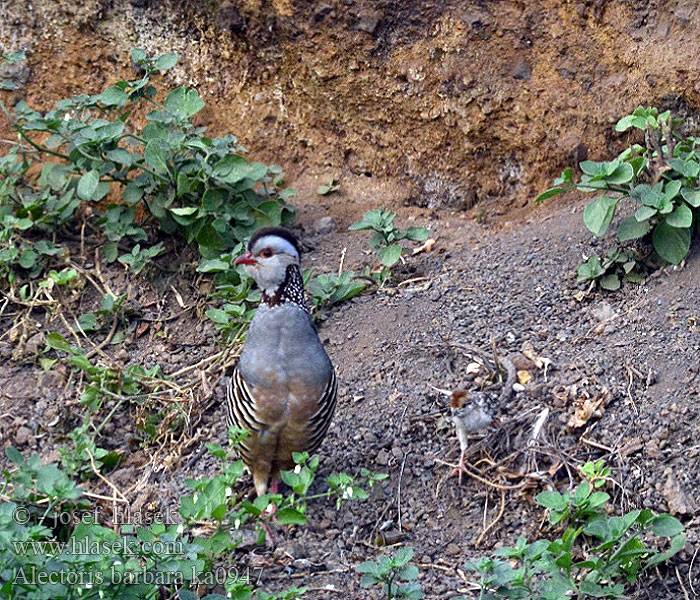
(266, 253)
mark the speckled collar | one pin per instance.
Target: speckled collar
(291, 290)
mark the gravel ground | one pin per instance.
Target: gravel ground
(633, 354)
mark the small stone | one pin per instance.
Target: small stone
(521, 70)
(22, 435)
(679, 503)
(452, 549)
(368, 22)
(603, 312)
(325, 225)
(322, 11)
(382, 457)
(34, 343)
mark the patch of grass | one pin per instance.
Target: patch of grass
(661, 177)
(43, 521)
(597, 556)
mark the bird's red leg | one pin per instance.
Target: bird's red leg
(460, 469)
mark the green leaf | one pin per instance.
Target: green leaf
(644, 213)
(234, 168)
(610, 282)
(120, 156)
(88, 184)
(183, 102)
(155, 157)
(417, 234)
(622, 174)
(132, 193)
(213, 265)
(166, 61)
(111, 250)
(88, 322)
(114, 97)
(691, 196)
(47, 363)
(549, 193)
(290, 516)
(550, 499)
(631, 229)
(185, 211)
(666, 526)
(28, 259)
(681, 217)
(57, 342)
(217, 315)
(14, 455)
(677, 544)
(671, 189)
(138, 55)
(213, 198)
(402, 556)
(390, 255)
(209, 237)
(598, 214)
(591, 269)
(671, 243)
(629, 121)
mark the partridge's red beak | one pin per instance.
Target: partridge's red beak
(245, 259)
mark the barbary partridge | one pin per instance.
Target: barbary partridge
(283, 390)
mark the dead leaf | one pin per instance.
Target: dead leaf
(474, 368)
(178, 297)
(524, 377)
(426, 246)
(540, 362)
(586, 408)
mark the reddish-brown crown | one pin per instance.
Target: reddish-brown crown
(458, 398)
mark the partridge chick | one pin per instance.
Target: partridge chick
(283, 390)
(472, 411)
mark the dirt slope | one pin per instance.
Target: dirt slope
(467, 103)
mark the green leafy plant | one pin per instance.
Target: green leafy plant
(332, 185)
(389, 572)
(43, 520)
(235, 290)
(167, 170)
(662, 178)
(596, 473)
(329, 289)
(385, 238)
(104, 390)
(594, 558)
(615, 267)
